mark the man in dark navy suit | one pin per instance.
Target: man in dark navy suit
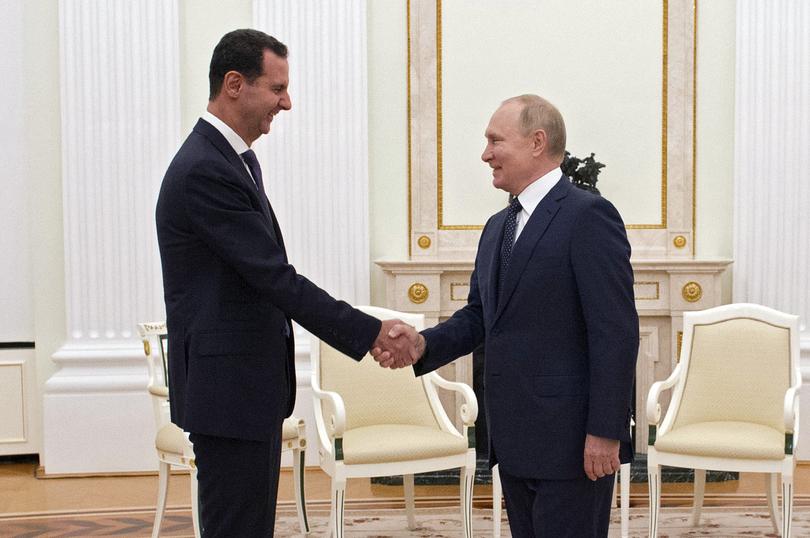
(231, 293)
(551, 297)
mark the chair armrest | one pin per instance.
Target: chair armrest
(335, 424)
(653, 407)
(469, 409)
(791, 408)
(159, 391)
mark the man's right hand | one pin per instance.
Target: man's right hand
(398, 345)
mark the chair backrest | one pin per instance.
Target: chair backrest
(371, 394)
(739, 360)
(155, 347)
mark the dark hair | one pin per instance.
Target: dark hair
(242, 51)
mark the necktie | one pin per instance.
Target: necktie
(255, 170)
(508, 240)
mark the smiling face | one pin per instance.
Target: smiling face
(509, 152)
(258, 101)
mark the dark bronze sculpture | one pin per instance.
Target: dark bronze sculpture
(583, 172)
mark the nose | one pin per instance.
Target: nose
(487, 155)
(285, 102)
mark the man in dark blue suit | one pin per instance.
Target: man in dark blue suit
(231, 294)
(551, 297)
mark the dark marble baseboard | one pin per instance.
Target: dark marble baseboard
(638, 473)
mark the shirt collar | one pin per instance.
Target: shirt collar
(236, 142)
(534, 193)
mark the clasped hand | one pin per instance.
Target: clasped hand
(398, 345)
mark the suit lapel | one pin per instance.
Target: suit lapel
(524, 247)
(491, 257)
(215, 137)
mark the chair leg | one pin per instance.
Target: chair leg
(195, 502)
(497, 496)
(654, 481)
(771, 485)
(407, 483)
(787, 503)
(163, 490)
(700, 489)
(467, 478)
(625, 499)
(336, 512)
(298, 487)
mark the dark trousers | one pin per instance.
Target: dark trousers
(238, 485)
(557, 508)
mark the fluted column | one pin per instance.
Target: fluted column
(120, 127)
(771, 190)
(316, 156)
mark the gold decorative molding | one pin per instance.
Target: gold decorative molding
(453, 286)
(692, 292)
(439, 157)
(147, 349)
(423, 241)
(652, 283)
(679, 241)
(418, 293)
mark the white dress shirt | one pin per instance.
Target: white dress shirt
(236, 142)
(533, 195)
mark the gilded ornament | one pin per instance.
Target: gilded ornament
(423, 241)
(147, 349)
(692, 292)
(679, 241)
(418, 293)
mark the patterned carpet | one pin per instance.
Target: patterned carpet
(432, 522)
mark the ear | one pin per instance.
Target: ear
(539, 142)
(232, 84)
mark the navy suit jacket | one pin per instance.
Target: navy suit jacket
(560, 344)
(230, 293)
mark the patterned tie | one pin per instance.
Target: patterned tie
(509, 230)
(255, 170)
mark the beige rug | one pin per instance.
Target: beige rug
(375, 523)
(443, 522)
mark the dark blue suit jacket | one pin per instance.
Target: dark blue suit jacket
(560, 345)
(230, 293)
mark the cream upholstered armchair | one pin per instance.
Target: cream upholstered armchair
(735, 403)
(377, 422)
(174, 447)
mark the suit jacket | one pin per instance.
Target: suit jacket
(560, 344)
(230, 293)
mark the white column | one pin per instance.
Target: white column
(315, 160)
(120, 128)
(771, 190)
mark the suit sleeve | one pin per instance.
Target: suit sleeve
(600, 256)
(457, 336)
(221, 214)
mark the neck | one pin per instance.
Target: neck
(536, 174)
(231, 119)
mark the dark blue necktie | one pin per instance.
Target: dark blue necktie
(255, 170)
(509, 229)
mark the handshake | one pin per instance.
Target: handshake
(398, 345)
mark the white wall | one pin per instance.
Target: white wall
(16, 293)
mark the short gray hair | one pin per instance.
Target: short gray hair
(539, 113)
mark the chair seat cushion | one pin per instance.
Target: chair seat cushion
(289, 430)
(170, 438)
(398, 442)
(742, 440)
